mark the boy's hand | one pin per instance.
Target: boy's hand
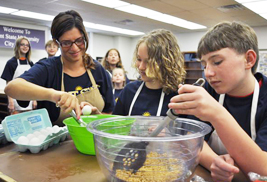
(195, 100)
(223, 169)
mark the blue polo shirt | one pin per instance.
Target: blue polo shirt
(240, 109)
(48, 73)
(146, 103)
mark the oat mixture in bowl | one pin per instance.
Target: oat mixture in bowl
(172, 156)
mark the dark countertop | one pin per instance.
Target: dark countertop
(59, 163)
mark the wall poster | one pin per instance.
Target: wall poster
(9, 34)
(262, 65)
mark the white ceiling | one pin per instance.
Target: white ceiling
(204, 12)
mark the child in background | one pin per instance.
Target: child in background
(112, 60)
(51, 48)
(16, 66)
(160, 63)
(119, 82)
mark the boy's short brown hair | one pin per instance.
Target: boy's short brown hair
(50, 42)
(234, 35)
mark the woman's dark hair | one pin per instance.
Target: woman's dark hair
(66, 21)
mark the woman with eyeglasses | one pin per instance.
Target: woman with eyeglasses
(17, 65)
(62, 83)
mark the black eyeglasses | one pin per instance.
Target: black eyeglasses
(68, 43)
(25, 45)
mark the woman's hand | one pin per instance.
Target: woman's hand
(67, 102)
(223, 169)
(34, 104)
(94, 109)
(11, 107)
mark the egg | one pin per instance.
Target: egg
(30, 136)
(37, 133)
(23, 140)
(41, 138)
(56, 129)
(87, 110)
(49, 130)
(44, 132)
(35, 141)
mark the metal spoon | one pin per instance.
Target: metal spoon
(171, 115)
(80, 121)
(133, 155)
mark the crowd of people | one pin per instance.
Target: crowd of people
(233, 99)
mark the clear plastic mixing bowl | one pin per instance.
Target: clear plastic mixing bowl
(171, 156)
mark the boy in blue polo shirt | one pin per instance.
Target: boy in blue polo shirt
(234, 102)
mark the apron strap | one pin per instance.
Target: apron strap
(19, 70)
(62, 81)
(254, 106)
(160, 103)
(88, 72)
(91, 78)
(19, 61)
(137, 94)
(254, 110)
(216, 143)
(62, 76)
(135, 97)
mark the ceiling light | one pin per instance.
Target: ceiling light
(178, 22)
(40, 16)
(155, 15)
(111, 29)
(190, 25)
(33, 15)
(148, 13)
(138, 10)
(109, 3)
(245, 1)
(7, 10)
(264, 15)
(257, 6)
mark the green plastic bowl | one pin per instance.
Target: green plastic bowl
(82, 138)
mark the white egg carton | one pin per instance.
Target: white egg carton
(3, 139)
(32, 122)
(50, 140)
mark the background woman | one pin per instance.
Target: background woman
(112, 60)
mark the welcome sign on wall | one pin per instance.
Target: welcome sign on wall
(9, 34)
